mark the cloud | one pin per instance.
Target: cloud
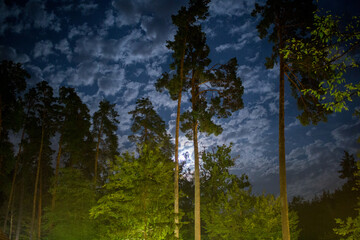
(43, 48)
(132, 48)
(231, 7)
(37, 15)
(253, 80)
(82, 30)
(131, 91)
(253, 59)
(87, 8)
(7, 12)
(231, 46)
(242, 28)
(130, 12)
(64, 47)
(241, 42)
(9, 53)
(346, 137)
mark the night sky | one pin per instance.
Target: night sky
(116, 50)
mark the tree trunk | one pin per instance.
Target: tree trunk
(194, 95)
(176, 178)
(282, 165)
(40, 208)
(18, 227)
(11, 218)
(17, 164)
(14, 177)
(37, 182)
(56, 174)
(97, 153)
(197, 184)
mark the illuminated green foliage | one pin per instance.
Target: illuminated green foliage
(138, 200)
(229, 210)
(328, 55)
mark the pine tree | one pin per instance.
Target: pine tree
(104, 129)
(74, 128)
(42, 123)
(185, 20)
(148, 127)
(285, 19)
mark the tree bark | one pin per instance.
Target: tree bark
(176, 179)
(37, 182)
(56, 174)
(18, 227)
(194, 96)
(11, 218)
(14, 178)
(197, 184)
(97, 153)
(40, 208)
(282, 164)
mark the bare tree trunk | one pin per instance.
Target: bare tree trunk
(56, 174)
(11, 218)
(37, 182)
(176, 178)
(197, 184)
(18, 227)
(17, 164)
(14, 177)
(282, 165)
(40, 208)
(97, 153)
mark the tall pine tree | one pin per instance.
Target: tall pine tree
(282, 20)
(104, 129)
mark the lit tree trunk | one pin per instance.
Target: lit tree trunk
(97, 153)
(40, 208)
(176, 183)
(282, 165)
(197, 184)
(56, 174)
(194, 95)
(11, 218)
(176, 179)
(18, 227)
(37, 182)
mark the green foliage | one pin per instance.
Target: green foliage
(70, 218)
(327, 56)
(292, 20)
(138, 200)
(230, 210)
